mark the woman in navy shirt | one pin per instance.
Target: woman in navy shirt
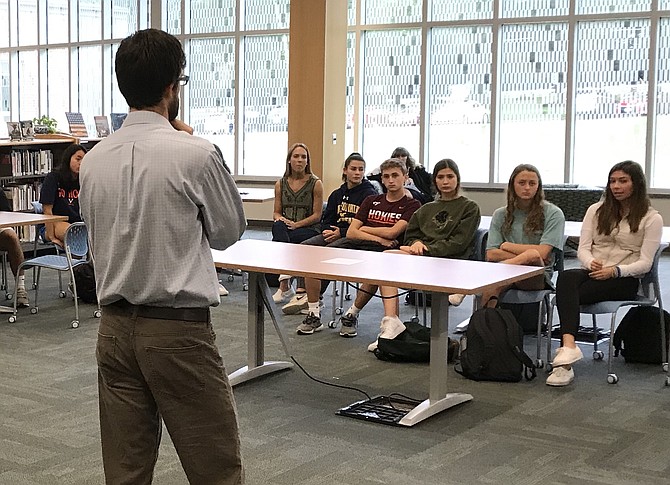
(60, 193)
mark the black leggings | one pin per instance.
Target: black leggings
(574, 287)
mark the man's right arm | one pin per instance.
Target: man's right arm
(221, 205)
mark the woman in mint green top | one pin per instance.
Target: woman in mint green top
(526, 230)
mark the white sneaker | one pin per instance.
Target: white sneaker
(567, 356)
(456, 299)
(560, 377)
(281, 296)
(391, 327)
(373, 346)
(297, 303)
(222, 290)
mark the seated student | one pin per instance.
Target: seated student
(619, 238)
(9, 241)
(525, 231)
(60, 193)
(444, 228)
(418, 182)
(341, 208)
(379, 225)
(297, 208)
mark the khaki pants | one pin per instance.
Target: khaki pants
(151, 369)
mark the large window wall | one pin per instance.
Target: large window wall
(572, 86)
(530, 82)
(57, 56)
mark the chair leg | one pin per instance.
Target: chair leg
(611, 377)
(595, 334)
(541, 310)
(37, 285)
(550, 324)
(75, 322)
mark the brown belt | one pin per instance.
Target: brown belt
(164, 313)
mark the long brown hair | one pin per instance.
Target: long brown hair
(610, 213)
(535, 219)
(288, 170)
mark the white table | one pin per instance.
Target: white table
(439, 276)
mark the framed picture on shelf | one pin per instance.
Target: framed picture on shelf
(117, 120)
(14, 130)
(77, 125)
(101, 126)
(27, 130)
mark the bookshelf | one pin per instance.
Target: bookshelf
(23, 166)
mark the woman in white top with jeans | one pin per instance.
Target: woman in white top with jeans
(619, 238)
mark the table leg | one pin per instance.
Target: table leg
(438, 398)
(260, 298)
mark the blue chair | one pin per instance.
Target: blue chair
(41, 235)
(545, 309)
(648, 295)
(76, 253)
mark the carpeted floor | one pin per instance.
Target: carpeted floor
(525, 433)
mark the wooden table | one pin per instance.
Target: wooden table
(437, 275)
(13, 219)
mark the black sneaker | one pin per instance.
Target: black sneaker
(348, 325)
(309, 325)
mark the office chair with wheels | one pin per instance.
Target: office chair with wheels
(76, 253)
(648, 295)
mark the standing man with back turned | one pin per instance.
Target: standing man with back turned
(155, 200)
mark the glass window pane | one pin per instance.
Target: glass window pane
(171, 12)
(392, 12)
(28, 94)
(351, 91)
(90, 20)
(119, 104)
(4, 92)
(664, 4)
(265, 99)
(27, 22)
(208, 16)
(351, 12)
(612, 6)
(89, 82)
(612, 63)
(460, 93)
(532, 108)
(535, 8)
(124, 18)
(661, 169)
(441, 10)
(266, 14)
(57, 21)
(4, 23)
(211, 92)
(391, 93)
(57, 76)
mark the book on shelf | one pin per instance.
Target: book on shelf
(101, 126)
(14, 130)
(117, 120)
(27, 130)
(23, 162)
(77, 125)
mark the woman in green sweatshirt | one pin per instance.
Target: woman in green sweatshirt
(444, 228)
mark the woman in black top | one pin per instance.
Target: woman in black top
(60, 193)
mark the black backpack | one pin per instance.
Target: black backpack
(492, 348)
(84, 278)
(412, 345)
(638, 336)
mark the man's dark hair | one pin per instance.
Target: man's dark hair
(147, 62)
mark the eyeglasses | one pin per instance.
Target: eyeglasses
(183, 80)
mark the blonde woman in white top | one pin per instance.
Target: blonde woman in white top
(619, 238)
